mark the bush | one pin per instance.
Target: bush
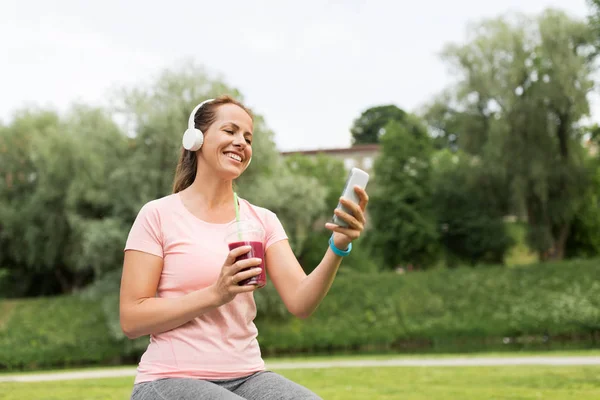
(428, 309)
(47, 332)
(389, 310)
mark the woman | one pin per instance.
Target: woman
(180, 281)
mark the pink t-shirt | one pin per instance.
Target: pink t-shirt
(220, 344)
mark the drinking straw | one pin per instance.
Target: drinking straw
(237, 214)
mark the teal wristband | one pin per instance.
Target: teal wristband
(341, 253)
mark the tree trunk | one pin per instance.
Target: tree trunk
(561, 241)
(557, 251)
(63, 281)
(562, 233)
(562, 132)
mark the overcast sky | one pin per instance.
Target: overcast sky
(310, 67)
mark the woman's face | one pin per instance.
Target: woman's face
(227, 144)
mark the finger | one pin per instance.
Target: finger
(350, 205)
(243, 264)
(235, 253)
(363, 197)
(355, 209)
(351, 233)
(243, 275)
(237, 289)
(353, 222)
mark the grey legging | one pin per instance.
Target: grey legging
(264, 385)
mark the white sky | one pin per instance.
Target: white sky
(309, 67)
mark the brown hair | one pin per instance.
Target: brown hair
(188, 163)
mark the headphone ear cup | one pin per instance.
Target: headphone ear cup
(192, 139)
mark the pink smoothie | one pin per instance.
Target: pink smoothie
(257, 251)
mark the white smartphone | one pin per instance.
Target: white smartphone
(357, 177)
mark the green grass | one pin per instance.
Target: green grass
(472, 383)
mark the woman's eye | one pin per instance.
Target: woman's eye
(248, 141)
(229, 131)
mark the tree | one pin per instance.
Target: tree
(594, 20)
(370, 126)
(32, 223)
(53, 183)
(404, 226)
(469, 206)
(584, 240)
(451, 124)
(328, 171)
(526, 81)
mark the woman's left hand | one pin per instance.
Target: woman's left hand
(356, 220)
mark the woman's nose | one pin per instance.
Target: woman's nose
(239, 141)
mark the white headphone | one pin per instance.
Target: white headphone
(192, 137)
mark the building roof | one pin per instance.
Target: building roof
(360, 148)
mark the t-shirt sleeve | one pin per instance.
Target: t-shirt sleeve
(145, 234)
(274, 230)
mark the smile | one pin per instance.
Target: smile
(234, 156)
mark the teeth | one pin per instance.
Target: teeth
(234, 156)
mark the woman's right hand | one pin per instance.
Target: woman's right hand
(227, 286)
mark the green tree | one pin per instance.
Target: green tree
(328, 171)
(523, 88)
(32, 223)
(100, 222)
(469, 206)
(451, 124)
(53, 182)
(584, 238)
(594, 19)
(403, 220)
(370, 126)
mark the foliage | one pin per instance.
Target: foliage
(522, 88)
(584, 238)
(468, 203)
(594, 20)
(53, 183)
(404, 226)
(54, 331)
(370, 126)
(437, 306)
(328, 171)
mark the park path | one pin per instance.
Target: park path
(362, 363)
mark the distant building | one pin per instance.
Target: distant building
(360, 156)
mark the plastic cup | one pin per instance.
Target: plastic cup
(248, 233)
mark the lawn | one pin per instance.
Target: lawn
(405, 383)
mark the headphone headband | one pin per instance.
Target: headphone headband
(193, 114)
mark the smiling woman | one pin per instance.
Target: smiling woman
(183, 286)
